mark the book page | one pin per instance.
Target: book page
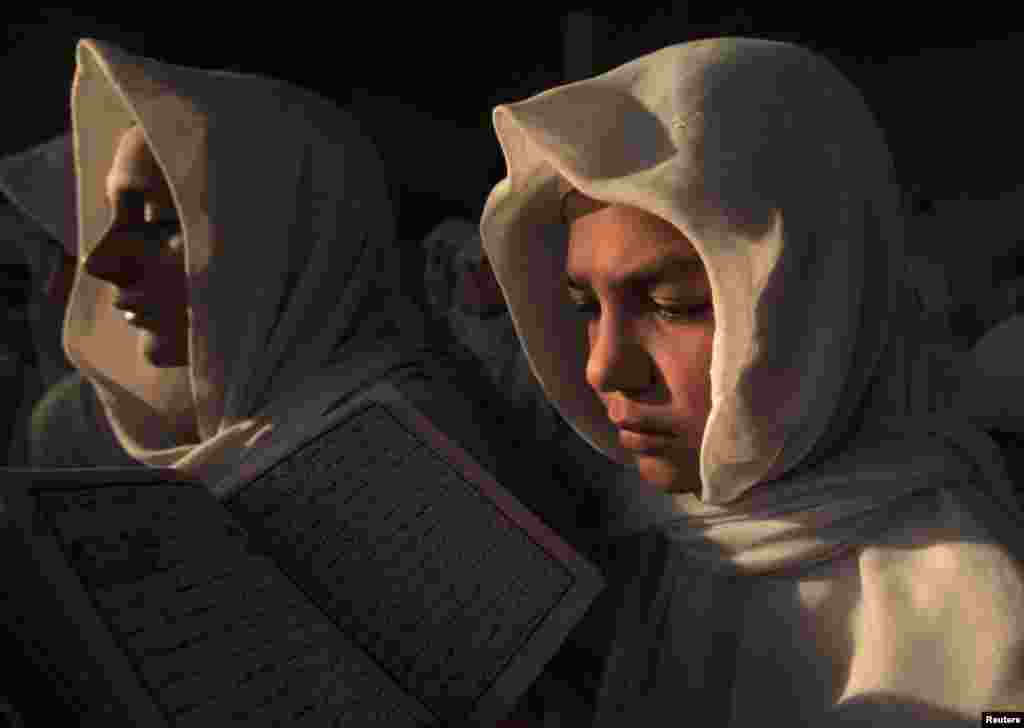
(363, 570)
(213, 631)
(458, 592)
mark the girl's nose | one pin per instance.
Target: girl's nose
(617, 362)
(111, 261)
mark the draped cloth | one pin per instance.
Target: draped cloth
(853, 553)
(40, 183)
(291, 258)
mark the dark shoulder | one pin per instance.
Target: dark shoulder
(69, 393)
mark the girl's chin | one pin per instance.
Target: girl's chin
(670, 472)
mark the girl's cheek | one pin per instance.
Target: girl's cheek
(697, 380)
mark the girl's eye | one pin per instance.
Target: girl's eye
(687, 313)
(692, 312)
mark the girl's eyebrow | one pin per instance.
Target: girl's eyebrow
(671, 266)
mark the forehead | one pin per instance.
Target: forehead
(134, 167)
(133, 154)
(605, 239)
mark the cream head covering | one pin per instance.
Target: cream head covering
(289, 249)
(832, 397)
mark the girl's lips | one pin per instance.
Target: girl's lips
(132, 303)
(644, 442)
(143, 318)
(136, 307)
(136, 318)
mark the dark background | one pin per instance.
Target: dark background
(424, 81)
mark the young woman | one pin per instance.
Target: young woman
(702, 252)
(238, 255)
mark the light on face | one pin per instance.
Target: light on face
(642, 291)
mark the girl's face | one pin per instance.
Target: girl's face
(143, 253)
(644, 297)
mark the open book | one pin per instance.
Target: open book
(361, 571)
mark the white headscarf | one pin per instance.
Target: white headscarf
(290, 251)
(832, 412)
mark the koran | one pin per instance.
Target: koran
(360, 570)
